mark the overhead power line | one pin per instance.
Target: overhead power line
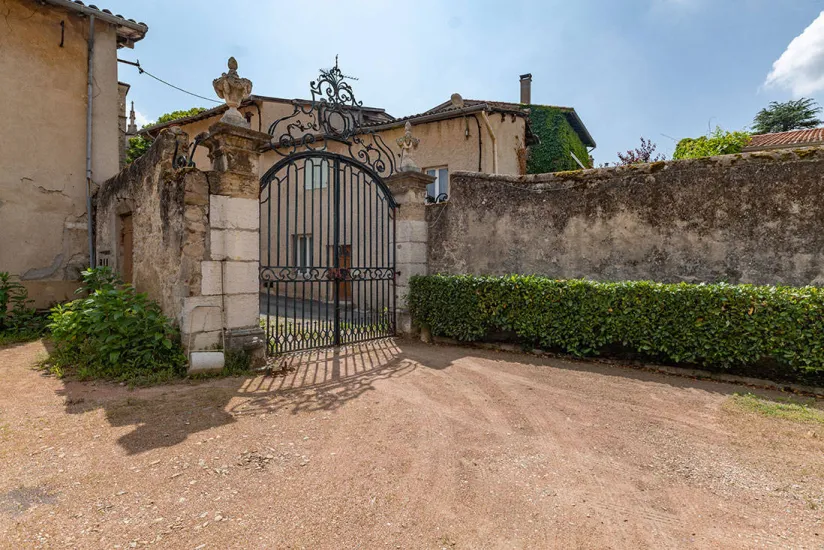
(144, 71)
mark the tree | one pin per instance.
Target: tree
(719, 142)
(640, 155)
(138, 145)
(790, 115)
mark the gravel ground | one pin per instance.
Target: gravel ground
(402, 445)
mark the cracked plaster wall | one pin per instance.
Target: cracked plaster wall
(43, 237)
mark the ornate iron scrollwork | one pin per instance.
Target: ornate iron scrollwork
(333, 116)
(443, 197)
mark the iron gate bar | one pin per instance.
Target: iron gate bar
(351, 260)
(360, 229)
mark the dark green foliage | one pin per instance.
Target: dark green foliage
(175, 115)
(18, 320)
(114, 333)
(789, 115)
(557, 138)
(138, 145)
(715, 325)
(719, 142)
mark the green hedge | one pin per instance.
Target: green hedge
(714, 325)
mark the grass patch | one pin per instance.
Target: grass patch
(18, 338)
(786, 409)
(236, 363)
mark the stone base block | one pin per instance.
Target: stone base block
(201, 314)
(405, 326)
(204, 340)
(252, 340)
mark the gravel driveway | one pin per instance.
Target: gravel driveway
(402, 445)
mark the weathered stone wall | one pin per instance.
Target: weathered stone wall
(195, 234)
(750, 218)
(43, 145)
(169, 209)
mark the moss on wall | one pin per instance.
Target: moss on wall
(558, 139)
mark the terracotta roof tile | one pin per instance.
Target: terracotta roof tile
(793, 137)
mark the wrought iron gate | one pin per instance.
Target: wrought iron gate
(327, 226)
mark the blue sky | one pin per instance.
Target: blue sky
(661, 69)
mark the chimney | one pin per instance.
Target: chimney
(526, 88)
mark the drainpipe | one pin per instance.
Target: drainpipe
(485, 118)
(89, 111)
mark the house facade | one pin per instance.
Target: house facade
(57, 141)
(459, 134)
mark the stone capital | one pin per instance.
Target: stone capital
(409, 188)
(234, 148)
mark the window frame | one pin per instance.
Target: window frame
(309, 181)
(303, 252)
(439, 187)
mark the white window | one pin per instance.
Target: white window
(316, 174)
(441, 183)
(302, 252)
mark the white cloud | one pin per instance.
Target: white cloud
(141, 119)
(800, 68)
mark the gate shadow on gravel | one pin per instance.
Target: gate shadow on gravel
(164, 416)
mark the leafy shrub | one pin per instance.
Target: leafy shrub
(115, 333)
(719, 142)
(715, 325)
(18, 320)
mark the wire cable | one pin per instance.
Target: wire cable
(144, 71)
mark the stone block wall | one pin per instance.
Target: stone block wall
(168, 209)
(749, 218)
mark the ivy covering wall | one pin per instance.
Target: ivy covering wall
(558, 139)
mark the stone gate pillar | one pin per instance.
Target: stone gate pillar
(229, 270)
(411, 229)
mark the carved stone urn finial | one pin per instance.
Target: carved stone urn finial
(407, 143)
(233, 89)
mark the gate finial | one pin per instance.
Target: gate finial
(233, 89)
(407, 143)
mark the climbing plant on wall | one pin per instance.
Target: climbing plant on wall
(557, 140)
